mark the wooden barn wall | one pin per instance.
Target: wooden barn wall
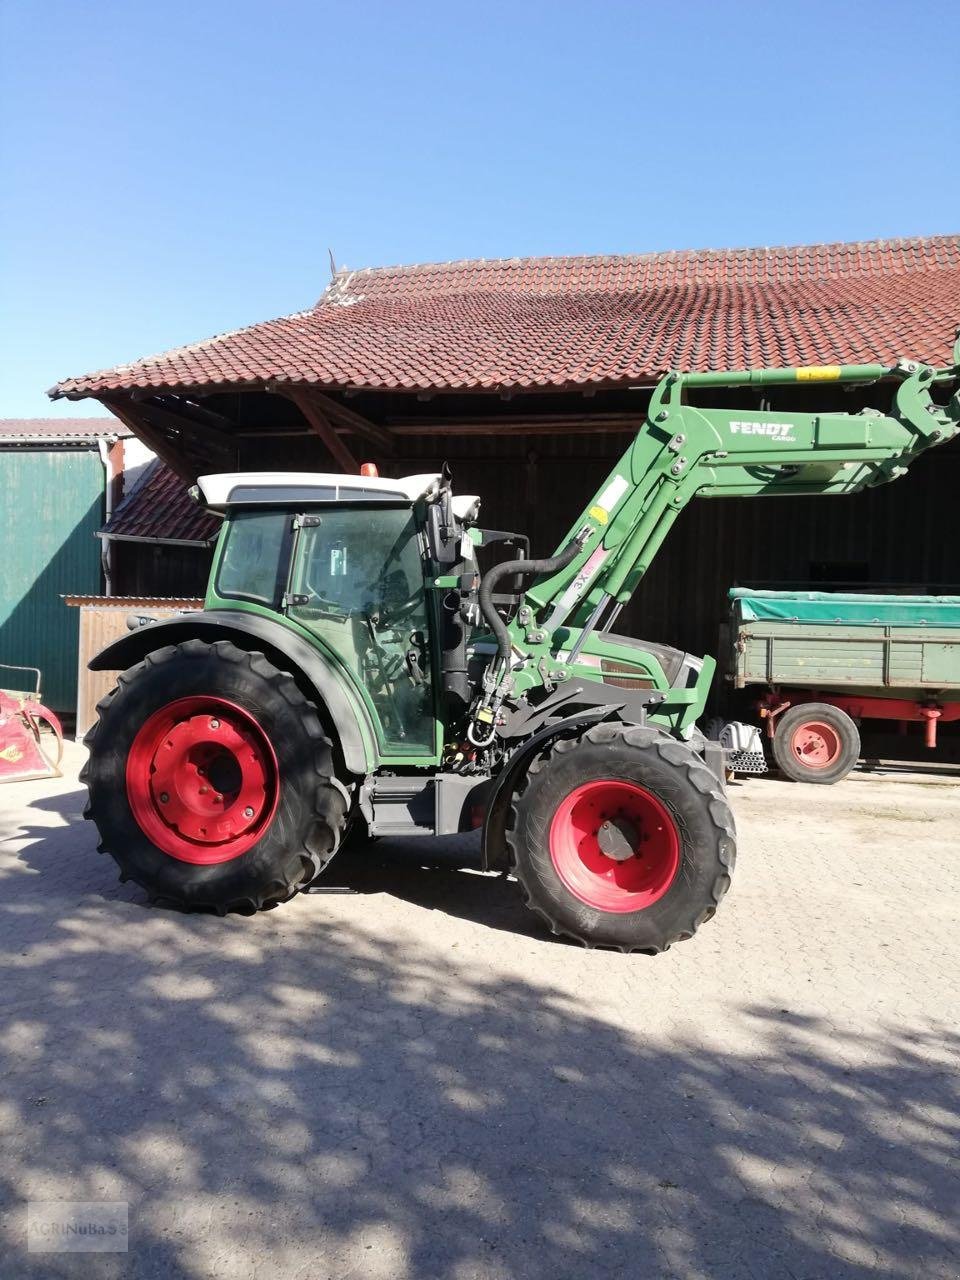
(899, 534)
(101, 624)
(152, 569)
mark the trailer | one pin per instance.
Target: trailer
(820, 662)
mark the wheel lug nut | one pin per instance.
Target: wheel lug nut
(164, 797)
(214, 724)
(248, 812)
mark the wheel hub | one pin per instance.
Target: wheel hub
(618, 838)
(815, 744)
(615, 845)
(202, 780)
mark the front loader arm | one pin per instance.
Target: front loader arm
(682, 452)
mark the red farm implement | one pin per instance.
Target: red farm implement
(31, 738)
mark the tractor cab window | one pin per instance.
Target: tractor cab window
(253, 563)
(357, 582)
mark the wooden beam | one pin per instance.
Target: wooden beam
(211, 437)
(128, 413)
(322, 426)
(354, 422)
(338, 414)
(491, 427)
(572, 425)
(197, 412)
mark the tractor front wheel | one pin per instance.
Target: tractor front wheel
(211, 780)
(622, 838)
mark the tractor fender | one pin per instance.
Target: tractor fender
(314, 673)
(494, 849)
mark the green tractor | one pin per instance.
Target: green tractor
(354, 672)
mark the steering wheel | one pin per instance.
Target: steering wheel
(393, 610)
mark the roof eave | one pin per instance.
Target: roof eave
(138, 390)
(167, 542)
(59, 442)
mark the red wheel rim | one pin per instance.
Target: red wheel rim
(630, 822)
(202, 780)
(815, 744)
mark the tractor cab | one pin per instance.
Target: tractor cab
(348, 559)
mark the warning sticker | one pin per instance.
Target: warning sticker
(612, 494)
(590, 566)
(819, 373)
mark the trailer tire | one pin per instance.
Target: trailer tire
(665, 855)
(211, 780)
(816, 742)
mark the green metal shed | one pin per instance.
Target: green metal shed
(53, 486)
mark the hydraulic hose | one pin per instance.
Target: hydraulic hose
(515, 568)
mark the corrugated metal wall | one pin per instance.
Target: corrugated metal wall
(50, 509)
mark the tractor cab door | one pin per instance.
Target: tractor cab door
(357, 582)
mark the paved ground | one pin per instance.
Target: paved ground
(411, 1081)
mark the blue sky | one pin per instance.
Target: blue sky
(171, 170)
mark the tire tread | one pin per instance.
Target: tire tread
(330, 801)
(674, 753)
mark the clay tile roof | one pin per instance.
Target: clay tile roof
(569, 322)
(60, 431)
(160, 509)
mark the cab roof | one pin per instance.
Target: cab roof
(283, 488)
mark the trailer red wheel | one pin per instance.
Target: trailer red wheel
(816, 742)
(614, 845)
(202, 780)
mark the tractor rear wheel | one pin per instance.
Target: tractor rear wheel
(622, 838)
(815, 742)
(211, 780)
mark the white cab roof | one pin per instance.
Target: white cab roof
(259, 488)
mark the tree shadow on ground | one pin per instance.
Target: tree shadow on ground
(274, 1098)
(67, 805)
(441, 874)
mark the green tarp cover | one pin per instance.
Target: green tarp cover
(840, 608)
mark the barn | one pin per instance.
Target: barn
(529, 377)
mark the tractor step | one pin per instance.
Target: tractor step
(400, 829)
(421, 804)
